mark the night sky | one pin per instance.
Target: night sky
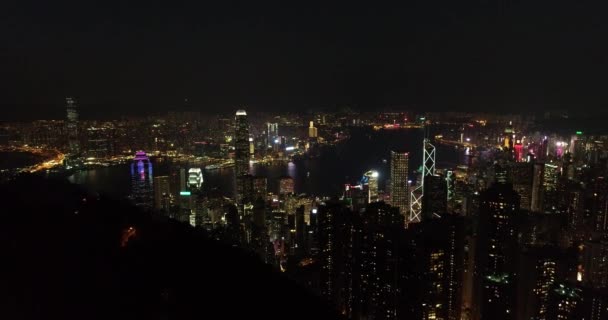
(141, 57)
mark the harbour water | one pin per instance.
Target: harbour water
(324, 175)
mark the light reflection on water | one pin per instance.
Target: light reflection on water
(324, 175)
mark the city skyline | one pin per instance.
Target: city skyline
(427, 160)
(396, 214)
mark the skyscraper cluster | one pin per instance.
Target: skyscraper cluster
(518, 229)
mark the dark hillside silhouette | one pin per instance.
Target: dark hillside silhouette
(68, 254)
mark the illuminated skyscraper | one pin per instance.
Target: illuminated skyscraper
(186, 207)
(241, 150)
(550, 177)
(450, 180)
(241, 143)
(509, 136)
(428, 169)
(72, 126)
(251, 148)
(518, 151)
(550, 196)
(141, 180)
(399, 183)
(546, 270)
(370, 179)
(272, 134)
(312, 131)
(195, 178)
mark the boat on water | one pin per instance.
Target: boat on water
(219, 166)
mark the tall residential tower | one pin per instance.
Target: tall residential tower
(496, 245)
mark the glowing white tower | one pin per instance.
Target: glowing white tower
(195, 178)
(428, 169)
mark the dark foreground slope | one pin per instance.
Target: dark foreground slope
(67, 254)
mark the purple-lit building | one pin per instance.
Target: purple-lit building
(142, 189)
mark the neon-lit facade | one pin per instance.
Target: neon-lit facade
(142, 191)
(518, 150)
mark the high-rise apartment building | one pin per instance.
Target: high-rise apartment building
(433, 268)
(496, 247)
